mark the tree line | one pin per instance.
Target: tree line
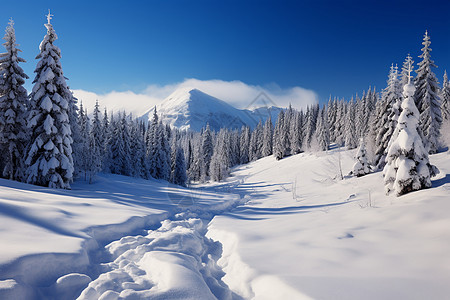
(47, 139)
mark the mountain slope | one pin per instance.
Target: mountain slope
(189, 108)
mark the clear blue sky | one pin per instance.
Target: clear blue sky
(331, 47)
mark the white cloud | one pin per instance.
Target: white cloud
(236, 93)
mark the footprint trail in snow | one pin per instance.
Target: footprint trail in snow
(176, 261)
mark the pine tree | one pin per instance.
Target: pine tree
(106, 157)
(220, 162)
(322, 132)
(179, 168)
(13, 105)
(84, 158)
(407, 166)
(405, 72)
(350, 126)
(295, 133)
(387, 120)
(279, 138)
(445, 97)
(97, 143)
(207, 148)
(49, 156)
(427, 97)
(361, 167)
(244, 145)
(267, 146)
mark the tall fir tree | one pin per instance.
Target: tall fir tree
(49, 157)
(267, 145)
(350, 126)
(244, 145)
(427, 97)
(387, 120)
(322, 131)
(13, 107)
(445, 98)
(407, 165)
(207, 148)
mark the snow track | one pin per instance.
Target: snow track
(175, 261)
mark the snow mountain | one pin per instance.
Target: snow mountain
(190, 108)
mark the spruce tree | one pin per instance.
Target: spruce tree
(279, 138)
(179, 169)
(361, 167)
(407, 165)
(244, 145)
(267, 146)
(207, 148)
(49, 157)
(322, 132)
(350, 126)
(387, 120)
(13, 106)
(445, 97)
(427, 97)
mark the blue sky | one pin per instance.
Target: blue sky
(330, 47)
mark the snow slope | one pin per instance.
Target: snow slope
(52, 240)
(305, 234)
(189, 108)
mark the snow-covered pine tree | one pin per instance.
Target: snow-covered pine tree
(13, 106)
(244, 145)
(179, 168)
(340, 122)
(267, 146)
(387, 120)
(165, 152)
(279, 137)
(295, 133)
(407, 165)
(139, 167)
(350, 126)
(331, 114)
(322, 131)
(256, 143)
(404, 74)
(96, 143)
(49, 156)
(207, 148)
(427, 97)
(445, 98)
(84, 154)
(220, 163)
(106, 157)
(362, 166)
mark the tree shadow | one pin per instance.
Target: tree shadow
(441, 181)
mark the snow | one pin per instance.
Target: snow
(304, 232)
(190, 108)
(50, 233)
(299, 233)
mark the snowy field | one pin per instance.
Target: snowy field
(302, 234)
(49, 233)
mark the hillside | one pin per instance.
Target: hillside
(304, 234)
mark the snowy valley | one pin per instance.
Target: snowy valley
(288, 229)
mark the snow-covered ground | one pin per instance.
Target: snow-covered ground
(46, 234)
(302, 233)
(305, 234)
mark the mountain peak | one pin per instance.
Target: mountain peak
(191, 109)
